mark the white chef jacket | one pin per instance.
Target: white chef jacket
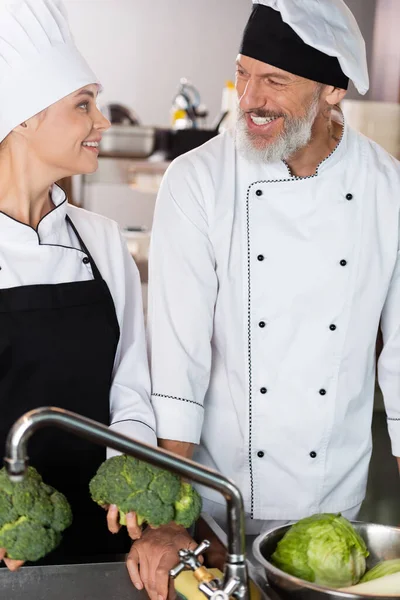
(53, 255)
(266, 293)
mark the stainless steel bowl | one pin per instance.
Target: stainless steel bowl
(383, 544)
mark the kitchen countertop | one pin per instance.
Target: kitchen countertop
(145, 164)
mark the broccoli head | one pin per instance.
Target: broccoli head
(32, 516)
(155, 495)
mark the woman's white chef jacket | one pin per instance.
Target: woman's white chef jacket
(53, 255)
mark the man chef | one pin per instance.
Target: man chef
(275, 257)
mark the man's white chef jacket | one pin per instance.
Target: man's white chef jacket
(266, 294)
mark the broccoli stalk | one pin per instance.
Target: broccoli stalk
(122, 519)
(155, 495)
(187, 506)
(32, 516)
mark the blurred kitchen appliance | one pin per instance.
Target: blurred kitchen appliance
(187, 110)
(171, 143)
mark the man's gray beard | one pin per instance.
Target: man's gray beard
(296, 135)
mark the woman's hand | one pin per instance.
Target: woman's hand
(12, 565)
(135, 532)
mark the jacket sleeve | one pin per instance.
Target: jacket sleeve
(182, 295)
(130, 407)
(389, 361)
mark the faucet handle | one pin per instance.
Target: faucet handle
(189, 559)
(224, 593)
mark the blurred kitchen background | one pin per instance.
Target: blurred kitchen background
(166, 66)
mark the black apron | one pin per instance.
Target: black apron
(57, 348)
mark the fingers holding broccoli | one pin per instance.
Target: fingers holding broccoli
(155, 495)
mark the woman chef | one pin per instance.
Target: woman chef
(71, 325)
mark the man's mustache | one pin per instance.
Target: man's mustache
(265, 114)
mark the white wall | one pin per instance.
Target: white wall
(141, 48)
(386, 63)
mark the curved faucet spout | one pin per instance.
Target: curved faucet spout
(16, 462)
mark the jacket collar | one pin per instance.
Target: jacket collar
(336, 155)
(48, 230)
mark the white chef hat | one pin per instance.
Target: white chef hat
(39, 62)
(316, 39)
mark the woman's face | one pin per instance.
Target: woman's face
(66, 136)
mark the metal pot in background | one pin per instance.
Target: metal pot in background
(128, 141)
(383, 543)
(126, 136)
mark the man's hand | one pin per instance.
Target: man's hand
(12, 565)
(152, 557)
(134, 530)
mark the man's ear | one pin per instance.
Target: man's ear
(334, 95)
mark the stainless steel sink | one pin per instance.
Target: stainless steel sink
(97, 581)
(109, 579)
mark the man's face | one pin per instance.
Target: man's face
(277, 110)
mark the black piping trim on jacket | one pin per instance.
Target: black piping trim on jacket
(62, 246)
(44, 216)
(132, 421)
(180, 399)
(249, 350)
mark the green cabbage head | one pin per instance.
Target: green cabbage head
(323, 549)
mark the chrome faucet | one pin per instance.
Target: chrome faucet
(16, 463)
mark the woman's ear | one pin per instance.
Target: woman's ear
(29, 127)
(21, 129)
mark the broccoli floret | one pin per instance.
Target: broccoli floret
(27, 540)
(32, 501)
(62, 513)
(152, 493)
(111, 482)
(148, 507)
(166, 485)
(8, 514)
(32, 516)
(187, 506)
